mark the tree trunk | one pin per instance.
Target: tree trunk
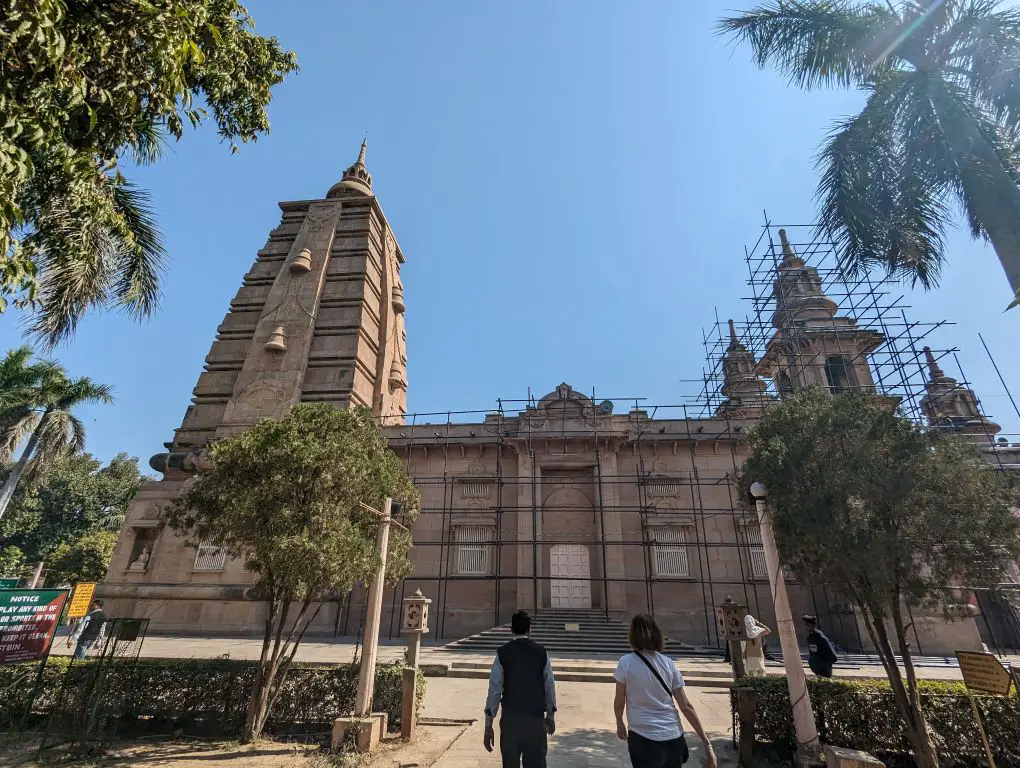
(994, 199)
(914, 723)
(259, 709)
(257, 701)
(922, 743)
(7, 493)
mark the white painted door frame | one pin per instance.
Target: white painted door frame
(570, 576)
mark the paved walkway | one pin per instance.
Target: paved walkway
(342, 651)
(585, 725)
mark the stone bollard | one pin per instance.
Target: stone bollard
(839, 757)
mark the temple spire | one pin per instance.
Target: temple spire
(355, 177)
(790, 257)
(934, 371)
(734, 341)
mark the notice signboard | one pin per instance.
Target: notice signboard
(28, 619)
(81, 599)
(984, 673)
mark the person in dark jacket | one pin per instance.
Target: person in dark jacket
(821, 651)
(521, 681)
(89, 631)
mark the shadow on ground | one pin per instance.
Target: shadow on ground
(599, 748)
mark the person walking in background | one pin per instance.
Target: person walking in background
(521, 681)
(821, 651)
(647, 684)
(754, 646)
(89, 630)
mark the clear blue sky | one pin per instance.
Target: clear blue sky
(573, 184)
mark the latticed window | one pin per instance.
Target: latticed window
(209, 558)
(670, 548)
(475, 489)
(663, 486)
(473, 549)
(757, 552)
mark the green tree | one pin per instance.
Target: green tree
(941, 125)
(47, 425)
(85, 85)
(11, 560)
(287, 496)
(888, 514)
(73, 497)
(84, 560)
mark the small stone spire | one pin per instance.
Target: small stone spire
(790, 257)
(356, 177)
(934, 371)
(952, 407)
(744, 390)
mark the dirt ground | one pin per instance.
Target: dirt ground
(429, 745)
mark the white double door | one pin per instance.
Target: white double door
(570, 572)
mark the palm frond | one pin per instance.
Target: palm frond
(15, 431)
(818, 43)
(56, 437)
(117, 261)
(149, 143)
(878, 207)
(981, 52)
(82, 391)
(138, 265)
(74, 263)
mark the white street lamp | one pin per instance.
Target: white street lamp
(808, 747)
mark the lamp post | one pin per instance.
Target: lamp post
(366, 675)
(808, 746)
(416, 623)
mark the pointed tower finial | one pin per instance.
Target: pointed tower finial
(934, 371)
(790, 256)
(356, 177)
(734, 342)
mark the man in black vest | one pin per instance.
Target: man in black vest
(522, 682)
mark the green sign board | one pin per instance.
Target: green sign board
(8, 583)
(28, 619)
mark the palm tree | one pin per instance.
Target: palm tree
(941, 126)
(87, 262)
(45, 418)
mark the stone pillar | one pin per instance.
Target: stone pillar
(525, 531)
(615, 567)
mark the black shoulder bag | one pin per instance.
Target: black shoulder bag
(685, 752)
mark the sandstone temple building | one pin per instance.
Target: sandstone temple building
(563, 503)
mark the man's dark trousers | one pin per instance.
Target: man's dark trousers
(522, 738)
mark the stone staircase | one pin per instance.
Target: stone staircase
(577, 633)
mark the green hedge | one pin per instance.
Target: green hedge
(195, 696)
(862, 715)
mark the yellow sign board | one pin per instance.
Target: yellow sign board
(81, 599)
(571, 627)
(984, 673)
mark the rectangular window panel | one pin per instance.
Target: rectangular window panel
(209, 558)
(757, 552)
(670, 550)
(473, 549)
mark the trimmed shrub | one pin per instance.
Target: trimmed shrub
(861, 714)
(195, 696)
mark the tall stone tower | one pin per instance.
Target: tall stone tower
(318, 318)
(813, 345)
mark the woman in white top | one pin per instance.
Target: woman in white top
(647, 683)
(754, 646)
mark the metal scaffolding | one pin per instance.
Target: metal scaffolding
(895, 356)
